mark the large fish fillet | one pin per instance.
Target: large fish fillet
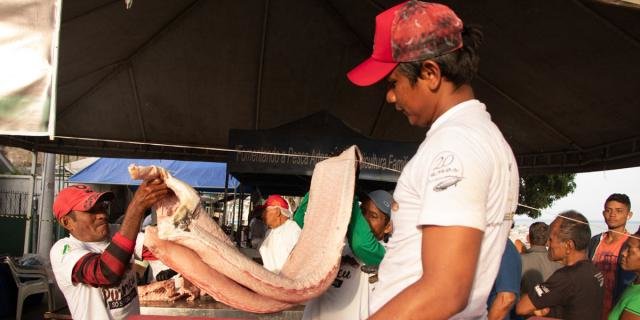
(187, 237)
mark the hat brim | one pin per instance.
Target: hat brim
(106, 196)
(370, 71)
(90, 200)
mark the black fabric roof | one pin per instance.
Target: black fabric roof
(560, 78)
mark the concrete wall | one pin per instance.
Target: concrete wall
(18, 183)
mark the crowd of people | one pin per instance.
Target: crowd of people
(563, 273)
(567, 274)
(438, 248)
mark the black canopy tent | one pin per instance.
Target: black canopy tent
(559, 77)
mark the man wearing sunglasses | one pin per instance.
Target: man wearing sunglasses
(92, 266)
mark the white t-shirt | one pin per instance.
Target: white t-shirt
(277, 245)
(463, 174)
(85, 301)
(346, 298)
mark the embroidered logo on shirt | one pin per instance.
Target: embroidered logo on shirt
(66, 249)
(600, 278)
(540, 290)
(446, 171)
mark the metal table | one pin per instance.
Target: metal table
(207, 307)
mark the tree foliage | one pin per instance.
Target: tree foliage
(542, 190)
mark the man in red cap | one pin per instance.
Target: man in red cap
(282, 235)
(457, 195)
(92, 265)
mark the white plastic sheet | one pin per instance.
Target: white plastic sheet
(29, 32)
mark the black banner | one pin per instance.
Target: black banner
(295, 149)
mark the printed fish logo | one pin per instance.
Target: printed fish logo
(447, 182)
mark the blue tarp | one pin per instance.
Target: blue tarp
(201, 175)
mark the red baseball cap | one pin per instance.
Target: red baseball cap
(276, 200)
(77, 198)
(411, 31)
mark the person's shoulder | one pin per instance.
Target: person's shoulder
(469, 113)
(467, 128)
(635, 290)
(439, 141)
(534, 257)
(564, 271)
(583, 269)
(66, 241)
(62, 240)
(292, 225)
(58, 245)
(632, 294)
(525, 256)
(63, 247)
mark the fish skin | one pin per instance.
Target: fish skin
(210, 260)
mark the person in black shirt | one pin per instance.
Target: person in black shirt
(574, 291)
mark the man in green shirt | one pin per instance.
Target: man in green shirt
(370, 223)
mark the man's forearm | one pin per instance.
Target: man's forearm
(501, 305)
(149, 192)
(525, 306)
(447, 278)
(132, 221)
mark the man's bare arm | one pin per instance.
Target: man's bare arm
(449, 261)
(501, 305)
(525, 307)
(148, 193)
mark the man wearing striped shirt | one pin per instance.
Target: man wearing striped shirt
(92, 266)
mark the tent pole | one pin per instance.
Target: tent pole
(233, 216)
(224, 199)
(29, 213)
(240, 213)
(45, 230)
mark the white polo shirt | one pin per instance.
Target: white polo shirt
(463, 174)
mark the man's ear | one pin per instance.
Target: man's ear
(571, 244)
(66, 222)
(430, 73)
(388, 229)
(630, 215)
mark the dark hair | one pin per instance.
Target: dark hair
(459, 66)
(620, 197)
(575, 227)
(538, 233)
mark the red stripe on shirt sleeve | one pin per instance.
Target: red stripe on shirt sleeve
(107, 268)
